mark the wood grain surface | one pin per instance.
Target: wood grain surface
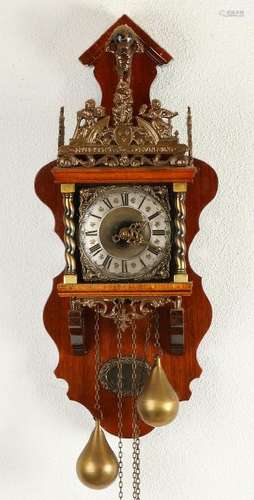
(142, 175)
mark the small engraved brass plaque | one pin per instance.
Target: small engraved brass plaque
(108, 375)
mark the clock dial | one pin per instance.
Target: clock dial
(124, 232)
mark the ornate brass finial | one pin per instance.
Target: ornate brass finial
(124, 43)
(61, 128)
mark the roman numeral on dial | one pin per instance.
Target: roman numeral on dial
(107, 203)
(107, 261)
(91, 233)
(94, 215)
(158, 232)
(154, 250)
(151, 217)
(124, 266)
(125, 199)
(95, 249)
(142, 201)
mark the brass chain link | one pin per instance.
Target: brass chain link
(97, 403)
(157, 343)
(147, 335)
(135, 426)
(120, 402)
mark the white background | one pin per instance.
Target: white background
(207, 453)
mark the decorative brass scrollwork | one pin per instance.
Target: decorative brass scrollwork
(124, 43)
(124, 140)
(122, 311)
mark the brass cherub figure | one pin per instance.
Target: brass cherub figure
(87, 118)
(160, 117)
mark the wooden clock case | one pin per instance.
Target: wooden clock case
(77, 368)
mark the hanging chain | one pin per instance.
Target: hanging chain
(157, 343)
(120, 402)
(97, 403)
(135, 426)
(147, 335)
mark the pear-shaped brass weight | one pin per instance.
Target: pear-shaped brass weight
(158, 403)
(97, 465)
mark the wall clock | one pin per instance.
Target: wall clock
(128, 312)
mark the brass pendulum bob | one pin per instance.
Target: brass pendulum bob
(158, 403)
(97, 465)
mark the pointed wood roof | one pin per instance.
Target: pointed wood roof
(152, 49)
